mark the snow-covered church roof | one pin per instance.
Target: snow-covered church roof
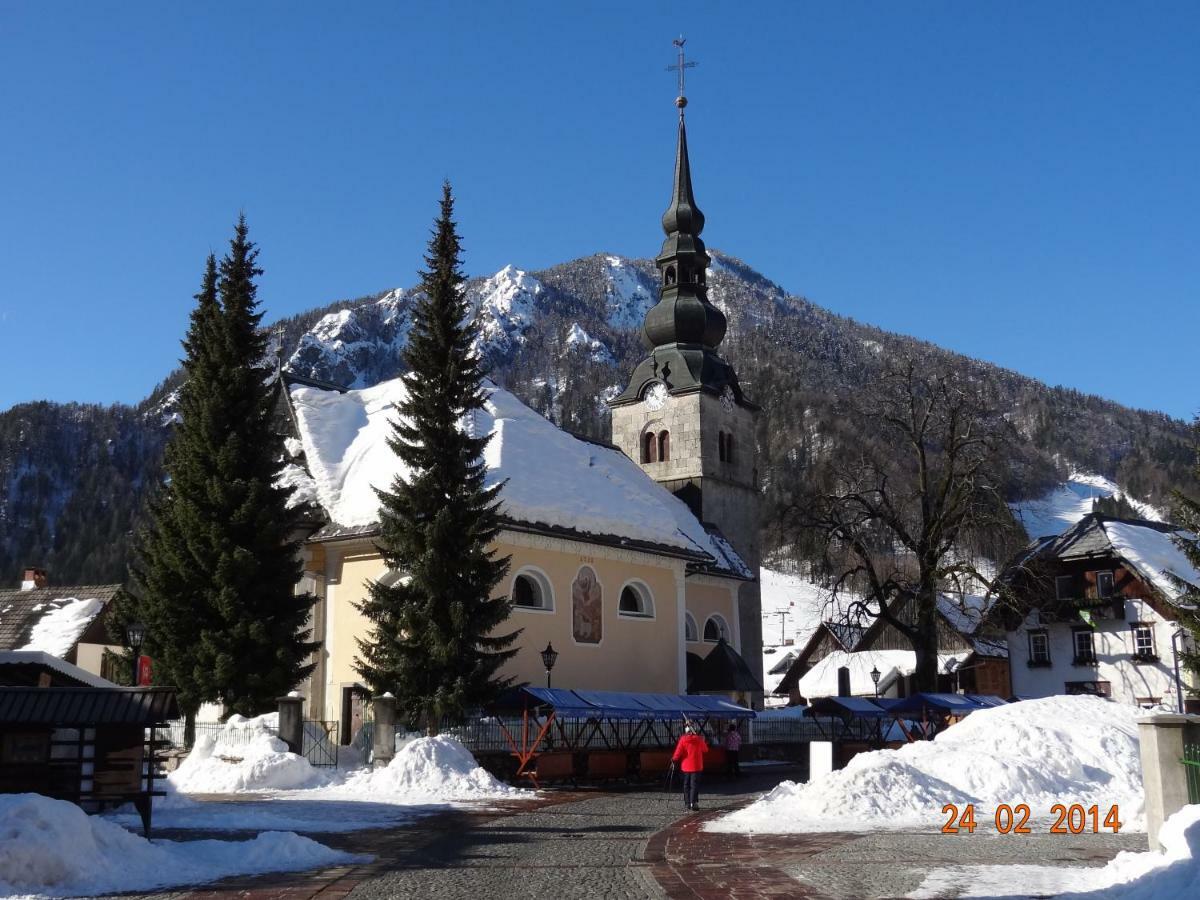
(552, 480)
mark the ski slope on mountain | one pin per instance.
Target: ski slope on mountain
(1070, 501)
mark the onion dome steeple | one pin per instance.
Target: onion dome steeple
(683, 313)
(682, 331)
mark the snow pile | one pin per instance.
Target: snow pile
(429, 769)
(1154, 553)
(53, 847)
(57, 630)
(551, 477)
(1039, 752)
(1173, 872)
(1071, 501)
(245, 756)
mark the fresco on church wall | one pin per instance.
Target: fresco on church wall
(586, 607)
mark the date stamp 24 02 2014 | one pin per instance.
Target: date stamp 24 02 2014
(1072, 819)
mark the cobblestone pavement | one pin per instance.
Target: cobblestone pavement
(642, 844)
(689, 862)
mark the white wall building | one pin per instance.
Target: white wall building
(1106, 613)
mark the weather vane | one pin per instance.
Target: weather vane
(680, 67)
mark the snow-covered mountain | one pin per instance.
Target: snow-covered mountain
(563, 339)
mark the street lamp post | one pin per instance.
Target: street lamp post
(549, 658)
(875, 674)
(135, 635)
(1178, 635)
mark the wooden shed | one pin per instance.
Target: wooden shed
(92, 745)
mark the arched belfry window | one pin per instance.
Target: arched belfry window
(664, 446)
(669, 275)
(729, 447)
(721, 446)
(649, 447)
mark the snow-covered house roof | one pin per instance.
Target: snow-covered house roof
(1147, 547)
(50, 619)
(552, 480)
(21, 662)
(963, 614)
(822, 679)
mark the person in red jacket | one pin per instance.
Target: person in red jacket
(689, 753)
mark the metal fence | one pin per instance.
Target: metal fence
(172, 733)
(1191, 765)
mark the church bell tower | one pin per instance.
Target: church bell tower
(684, 418)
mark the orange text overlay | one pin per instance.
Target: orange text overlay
(1073, 819)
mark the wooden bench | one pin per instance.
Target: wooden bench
(607, 764)
(653, 763)
(715, 760)
(558, 765)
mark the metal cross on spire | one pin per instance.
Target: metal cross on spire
(680, 67)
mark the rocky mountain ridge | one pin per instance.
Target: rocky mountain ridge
(564, 339)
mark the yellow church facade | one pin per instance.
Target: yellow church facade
(642, 650)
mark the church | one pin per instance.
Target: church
(637, 562)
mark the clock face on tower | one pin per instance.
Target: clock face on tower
(656, 395)
(727, 399)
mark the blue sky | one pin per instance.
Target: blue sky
(1016, 181)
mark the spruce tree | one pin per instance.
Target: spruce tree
(259, 647)
(431, 641)
(216, 568)
(169, 578)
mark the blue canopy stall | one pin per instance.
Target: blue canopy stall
(614, 730)
(929, 713)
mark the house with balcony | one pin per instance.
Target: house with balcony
(1096, 610)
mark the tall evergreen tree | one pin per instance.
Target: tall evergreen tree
(169, 578)
(217, 567)
(431, 641)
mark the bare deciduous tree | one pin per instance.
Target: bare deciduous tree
(905, 517)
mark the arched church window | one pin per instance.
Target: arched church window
(669, 275)
(649, 447)
(531, 590)
(690, 632)
(729, 447)
(715, 629)
(721, 446)
(636, 601)
(664, 446)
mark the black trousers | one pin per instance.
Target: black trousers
(732, 762)
(691, 788)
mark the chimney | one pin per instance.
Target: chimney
(843, 676)
(34, 579)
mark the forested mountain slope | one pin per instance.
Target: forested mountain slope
(72, 476)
